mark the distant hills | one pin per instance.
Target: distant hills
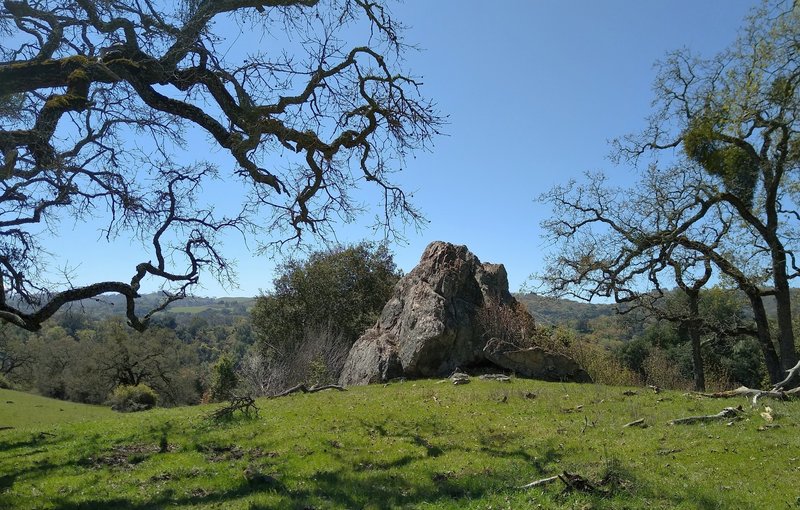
(548, 311)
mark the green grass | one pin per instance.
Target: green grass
(413, 445)
(23, 410)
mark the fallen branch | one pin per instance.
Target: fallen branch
(315, 389)
(571, 482)
(578, 483)
(302, 388)
(635, 423)
(792, 374)
(539, 483)
(744, 391)
(244, 404)
(728, 412)
(495, 377)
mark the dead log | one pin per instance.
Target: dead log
(727, 413)
(302, 388)
(744, 391)
(315, 389)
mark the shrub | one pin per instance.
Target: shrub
(317, 359)
(223, 379)
(663, 371)
(5, 384)
(129, 399)
(599, 362)
(510, 323)
(344, 287)
(601, 365)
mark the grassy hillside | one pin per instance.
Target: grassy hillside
(549, 310)
(412, 445)
(23, 410)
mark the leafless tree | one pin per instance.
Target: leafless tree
(98, 100)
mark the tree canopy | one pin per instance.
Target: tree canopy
(97, 101)
(342, 290)
(725, 202)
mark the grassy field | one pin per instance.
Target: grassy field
(23, 410)
(406, 445)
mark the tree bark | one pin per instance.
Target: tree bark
(694, 335)
(771, 360)
(783, 297)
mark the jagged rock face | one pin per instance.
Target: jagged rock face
(429, 326)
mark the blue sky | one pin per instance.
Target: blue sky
(534, 89)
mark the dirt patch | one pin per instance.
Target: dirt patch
(124, 456)
(219, 453)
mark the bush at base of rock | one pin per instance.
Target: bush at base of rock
(130, 399)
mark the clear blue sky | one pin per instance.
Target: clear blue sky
(534, 89)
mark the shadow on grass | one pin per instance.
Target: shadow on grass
(378, 490)
(35, 440)
(376, 484)
(385, 488)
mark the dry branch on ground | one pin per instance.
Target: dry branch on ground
(727, 413)
(302, 388)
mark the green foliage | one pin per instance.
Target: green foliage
(661, 354)
(409, 445)
(596, 358)
(633, 354)
(318, 372)
(130, 399)
(223, 378)
(82, 355)
(5, 384)
(738, 168)
(344, 289)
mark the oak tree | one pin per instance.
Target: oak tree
(727, 127)
(100, 101)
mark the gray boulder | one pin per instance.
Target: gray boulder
(535, 362)
(430, 325)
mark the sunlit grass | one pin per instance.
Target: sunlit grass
(414, 445)
(21, 410)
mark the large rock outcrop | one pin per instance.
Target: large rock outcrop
(430, 326)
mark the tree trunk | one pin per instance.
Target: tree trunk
(783, 298)
(694, 335)
(771, 359)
